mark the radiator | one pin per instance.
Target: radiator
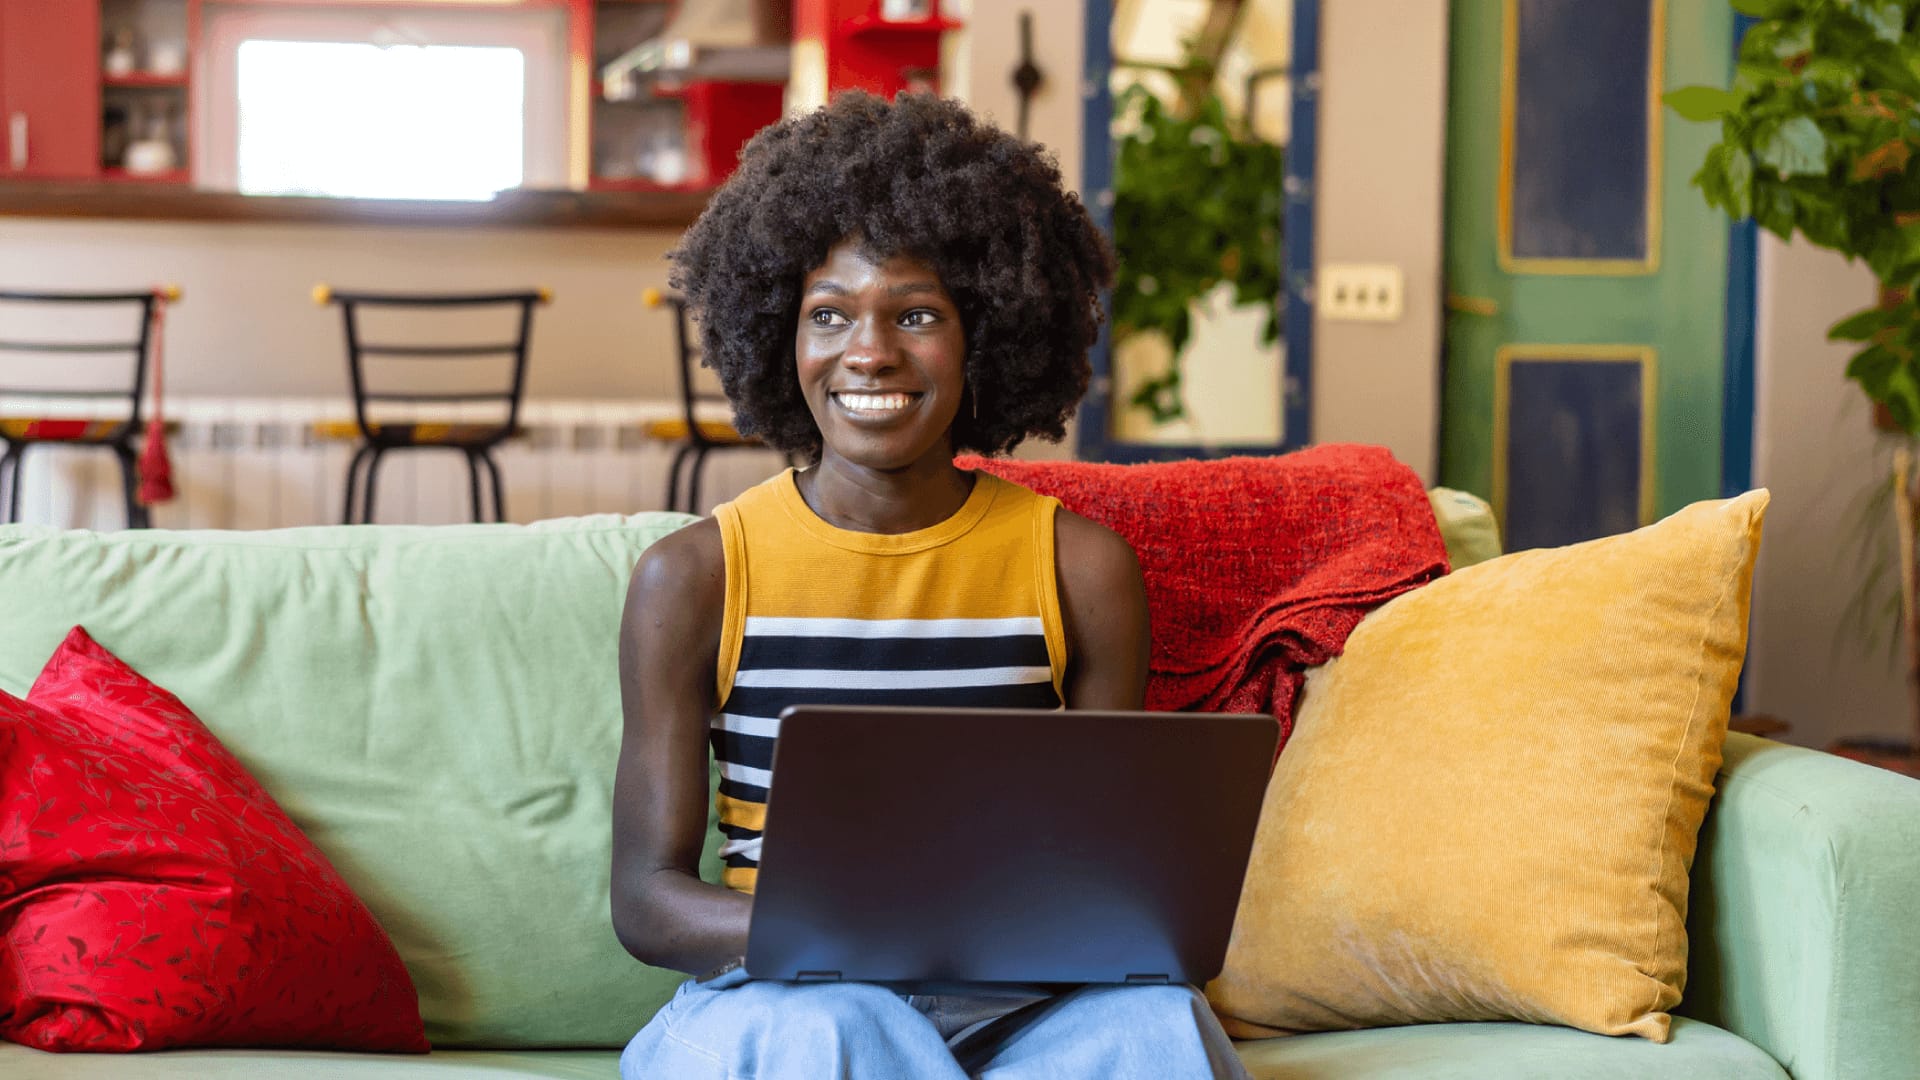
(259, 464)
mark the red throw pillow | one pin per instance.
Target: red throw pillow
(153, 895)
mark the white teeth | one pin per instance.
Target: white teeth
(874, 402)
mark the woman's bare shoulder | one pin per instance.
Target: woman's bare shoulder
(683, 573)
(1091, 555)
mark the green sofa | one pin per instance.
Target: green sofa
(437, 708)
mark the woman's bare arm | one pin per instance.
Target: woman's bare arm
(669, 645)
(1103, 599)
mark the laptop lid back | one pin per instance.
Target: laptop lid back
(926, 845)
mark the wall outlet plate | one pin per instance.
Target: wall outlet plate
(1361, 292)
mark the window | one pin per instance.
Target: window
(402, 122)
(394, 104)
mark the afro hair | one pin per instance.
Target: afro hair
(922, 177)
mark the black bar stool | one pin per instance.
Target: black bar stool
(119, 431)
(697, 438)
(475, 440)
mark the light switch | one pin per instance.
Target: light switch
(1361, 292)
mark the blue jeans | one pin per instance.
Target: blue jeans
(859, 1031)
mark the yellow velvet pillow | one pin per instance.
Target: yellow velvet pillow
(1490, 803)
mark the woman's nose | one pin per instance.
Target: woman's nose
(867, 350)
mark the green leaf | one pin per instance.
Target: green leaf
(1773, 207)
(1872, 367)
(1160, 396)
(1860, 326)
(1712, 178)
(1901, 395)
(1885, 18)
(1702, 103)
(1795, 148)
(1893, 250)
(1793, 39)
(1822, 218)
(1834, 74)
(1891, 69)
(1739, 180)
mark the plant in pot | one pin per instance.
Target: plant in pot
(1197, 202)
(1818, 133)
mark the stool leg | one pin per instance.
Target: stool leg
(499, 493)
(137, 517)
(353, 483)
(9, 481)
(18, 453)
(473, 484)
(373, 473)
(693, 480)
(673, 475)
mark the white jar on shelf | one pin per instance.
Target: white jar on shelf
(167, 58)
(153, 152)
(906, 10)
(120, 60)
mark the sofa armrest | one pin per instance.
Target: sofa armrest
(1805, 921)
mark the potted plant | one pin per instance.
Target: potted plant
(1817, 135)
(1197, 202)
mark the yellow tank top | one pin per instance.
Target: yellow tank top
(964, 613)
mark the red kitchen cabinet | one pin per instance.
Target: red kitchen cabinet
(49, 89)
(883, 47)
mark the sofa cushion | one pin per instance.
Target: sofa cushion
(1491, 803)
(152, 895)
(1432, 1052)
(1467, 526)
(1495, 1051)
(18, 1061)
(437, 708)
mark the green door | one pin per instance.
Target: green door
(1586, 277)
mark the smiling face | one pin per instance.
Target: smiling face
(880, 354)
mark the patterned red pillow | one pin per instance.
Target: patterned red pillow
(152, 894)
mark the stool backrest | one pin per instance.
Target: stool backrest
(691, 390)
(48, 384)
(364, 355)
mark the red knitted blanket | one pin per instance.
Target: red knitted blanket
(1256, 568)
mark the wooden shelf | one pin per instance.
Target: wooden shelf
(874, 26)
(653, 208)
(125, 176)
(637, 184)
(144, 80)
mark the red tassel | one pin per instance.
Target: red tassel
(156, 469)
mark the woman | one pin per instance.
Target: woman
(879, 286)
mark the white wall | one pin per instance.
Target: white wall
(977, 63)
(1378, 193)
(248, 327)
(979, 60)
(1814, 446)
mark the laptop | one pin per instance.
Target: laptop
(916, 846)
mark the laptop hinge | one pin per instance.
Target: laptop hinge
(1155, 979)
(819, 976)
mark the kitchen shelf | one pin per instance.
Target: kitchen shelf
(144, 80)
(654, 208)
